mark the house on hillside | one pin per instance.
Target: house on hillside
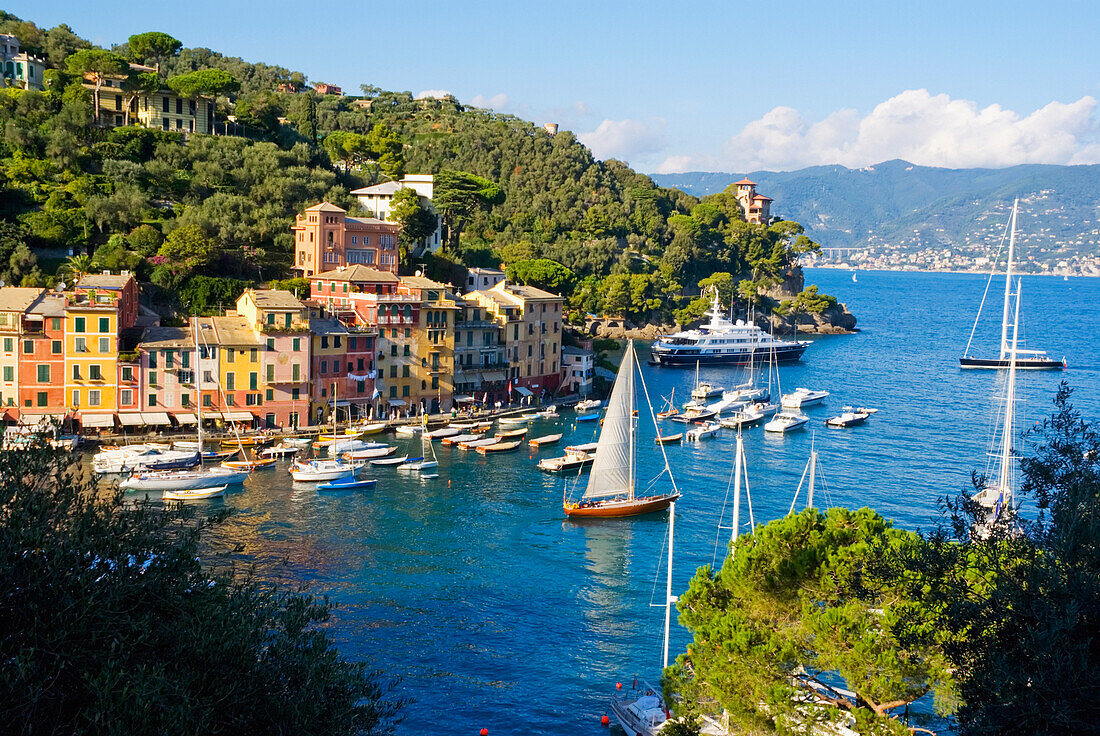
(379, 200)
(164, 109)
(757, 207)
(326, 239)
(19, 68)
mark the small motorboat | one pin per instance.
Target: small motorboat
(588, 404)
(472, 426)
(513, 420)
(586, 447)
(749, 415)
(410, 463)
(574, 458)
(366, 429)
(347, 484)
(474, 444)
(194, 494)
(588, 417)
(408, 430)
(850, 418)
(702, 432)
(185, 445)
(249, 465)
(312, 471)
(388, 461)
(280, 450)
(216, 456)
(803, 397)
(548, 439)
(510, 434)
(669, 439)
(458, 439)
(250, 440)
(428, 476)
(182, 480)
(370, 452)
(787, 421)
(498, 447)
(438, 434)
(550, 412)
(418, 464)
(694, 415)
(531, 415)
(296, 441)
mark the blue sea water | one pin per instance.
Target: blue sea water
(497, 613)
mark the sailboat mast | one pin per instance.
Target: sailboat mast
(1010, 409)
(198, 385)
(813, 472)
(630, 421)
(738, 461)
(669, 598)
(1008, 280)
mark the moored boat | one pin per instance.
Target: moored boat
(473, 444)
(669, 439)
(702, 432)
(314, 471)
(258, 464)
(787, 421)
(511, 434)
(388, 461)
(194, 494)
(280, 450)
(347, 484)
(182, 480)
(498, 447)
(460, 438)
(850, 417)
(749, 415)
(803, 397)
(587, 404)
(370, 452)
(588, 417)
(546, 439)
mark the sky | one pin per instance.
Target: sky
(691, 86)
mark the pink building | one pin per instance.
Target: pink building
(333, 289)
(325, 239)
(283, 323)
(757, 207)
(166, 359)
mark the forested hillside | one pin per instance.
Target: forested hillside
(173, 207)
(899, 204)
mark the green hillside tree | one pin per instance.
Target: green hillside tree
(99, 65)
(136, 85)
(542, 273)
(153, 45)
(210, 83)
(457, 195)
(784, 617)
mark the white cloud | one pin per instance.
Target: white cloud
(436, 94)
(625, 139)
(581, 107)
(674, 165)
(496, 102)
(926, 129)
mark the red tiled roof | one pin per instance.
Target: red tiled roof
(745, 181)
(761, 196)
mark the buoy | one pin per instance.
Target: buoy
(605, 721)
(484, 732)
(618, 686)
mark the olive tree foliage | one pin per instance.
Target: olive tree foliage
(791, 611)
(112, 623)
(1016, 608)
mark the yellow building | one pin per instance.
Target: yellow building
(432, 366)
(239, 368)
(98, 309)
(162, 109)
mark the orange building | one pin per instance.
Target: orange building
(757, 207)
(325, 239)
(42, 359)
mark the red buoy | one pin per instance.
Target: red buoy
(618, 686)
(484, 732)
(605, 721)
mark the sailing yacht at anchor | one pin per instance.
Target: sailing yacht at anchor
(610, 490)
(1021, 359)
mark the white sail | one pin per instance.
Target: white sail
(613, 469)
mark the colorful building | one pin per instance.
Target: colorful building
(42, 359)
(333, 288)
(379, 200)
(531, 322)
(14, 302)
(756, 207)
(239, 366)
(98, 309)
(481, 372)
(325, 239)
(167, 366)
(283, 321)
(329, 348)
(164, 109)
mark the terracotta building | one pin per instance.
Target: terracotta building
(325, 239)
(757, 207)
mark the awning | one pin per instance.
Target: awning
(28, 417)
(464, 399)
(340, 403)
(395, 402)
(493, 376)
(239, 416)
(187, 419)
(131, 419)
(523, 391)
(155, 418)
(97, 421)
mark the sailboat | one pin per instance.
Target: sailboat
(997, 495)
(811, 473)
(1021, 359)
(610, 490)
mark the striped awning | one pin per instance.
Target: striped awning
(239, 416)
(131, 419)
(187, 419)
(155, 418)
(97, 421)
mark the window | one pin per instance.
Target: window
(185, 377)
(270, 343)
(404, 371)
(251, 399)
(269, 394)
(55, 347)
(393, 392)
(43, 374)
(43, 398)
(185, 400)
(230, 356)
(360, 386)
(324, 366)
(324, 341)
(152, 399)
(104, 345)
(127, 373)
(254, 355)
(270, 374)
(168, 359)
(253, 381)
(231, 400)
(28, 347)
(435, 382)
(104, 324)
(408, 333)
(206, 400)
(393, 371)
(406, 350)
(405, 390)
(93, 398)
(295, 394)
(152, 378)
(185, 359)
(164, 107)
(76, 373)
(230, 381)
(9, 344)
(207, 377)
(179, 106)
(152, 359)
(297, 344)
(296, 373)
(393, 350)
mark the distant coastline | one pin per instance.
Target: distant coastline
(849, 267)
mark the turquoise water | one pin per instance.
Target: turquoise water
(497, 613)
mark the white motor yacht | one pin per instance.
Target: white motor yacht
(141, 457)
(702, 432)
(311, 471)
(803, 397)
(182, 480)
(787, 421)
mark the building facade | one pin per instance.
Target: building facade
(577, 370)
(14, 303)
(283, 323)
(481, 371)
(379, 200)
(757, 207)
(19, 68)
(326, 239)
(42, 359)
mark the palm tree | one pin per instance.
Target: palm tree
(77, 267)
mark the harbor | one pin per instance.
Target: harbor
(466, 585)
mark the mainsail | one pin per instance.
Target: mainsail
(613, 469)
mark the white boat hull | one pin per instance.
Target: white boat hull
(183, 480)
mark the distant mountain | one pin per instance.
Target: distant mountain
(898, 206)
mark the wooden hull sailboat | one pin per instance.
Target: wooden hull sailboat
(610, 489)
